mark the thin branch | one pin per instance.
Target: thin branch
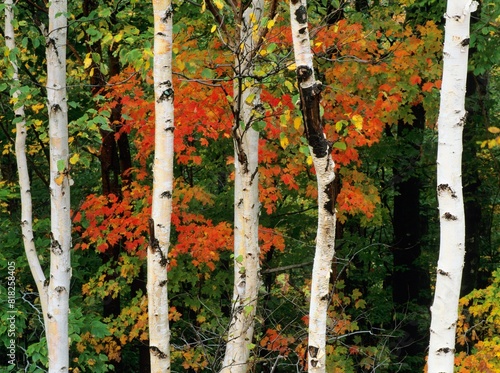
(286, 268)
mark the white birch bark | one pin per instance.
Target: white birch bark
(246, 200)
(320, 149)
(60, 266)
(452, 117)
(163, 169)
(22, 168)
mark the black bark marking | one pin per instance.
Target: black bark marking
(167, 94)
(313, 127)
(60, 289)
(56, 108)
(465, 42)
(55, 246)
(303, 72)
(52, 43)
(295, 2)
(446, 188)
(170, 129)
(163, 283)
(331, 192)
(253, 176)
(166, 194)
(446, 350)
(46, 283)
(157, 352)
(313, 351)
(314, 363)
(463, 120)
(443, 273)
(154, 245)
(449, 216)
(238, 143)
(301, 14)
(49, 315)
(168, 14)
(303, 30)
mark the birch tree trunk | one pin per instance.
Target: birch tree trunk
(22, 167)
(452, 118)
(320, 148)
(60, 266)
(163, 168)
(246, 198)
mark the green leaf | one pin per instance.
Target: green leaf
(61, 165)
(259, 126)
(247, 310)
(340, 145)
(271, 48)
(207, 73)
(99, 329)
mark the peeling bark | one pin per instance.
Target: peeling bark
(310, 96)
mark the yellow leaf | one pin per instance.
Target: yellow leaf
(88, 61)
(118, 37)
(357, 120)
(37, 107)
(270, 23)
(203, 7)
(181, 65)
(250, 98)
(297, 121)
(91, 72)
(219, 4)
(214, 27)
(289, 85)
(262, 52)
(291, 67)
(309, 160)
(59, 179)
(284, 142)
(494, 129)
(74, 158)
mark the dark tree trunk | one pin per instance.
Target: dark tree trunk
(474, 227)
(410, 282)
(114, 157)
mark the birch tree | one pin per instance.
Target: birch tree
(54, 291)
(246, 196)
(452, 118)
(246, 202)
(22, 164)
(320, 149)
(60, 266)
(163, 168)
